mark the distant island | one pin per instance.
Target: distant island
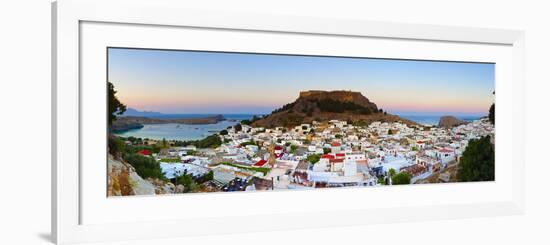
(131, 112)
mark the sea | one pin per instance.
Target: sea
(176, 131)
(434, 119)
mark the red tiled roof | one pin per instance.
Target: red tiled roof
(340, 154)
(277, 147)
(329, 156)
(144, 152)
(336, 160)
(445, 150)
(260, 163)
(335, 144)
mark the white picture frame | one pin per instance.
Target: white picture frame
(67, 200)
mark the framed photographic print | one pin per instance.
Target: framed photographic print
(212, 123)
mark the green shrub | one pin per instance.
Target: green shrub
(330, 105)
(284, 108)
(170, 160)
(116, 146)
(145, 166)
(313, 158)
(211, 141)
(264, 171)
(402, 178)
(247, 143)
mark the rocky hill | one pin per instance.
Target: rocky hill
(450, 121)
(315, 105)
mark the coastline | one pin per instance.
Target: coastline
(179, 131)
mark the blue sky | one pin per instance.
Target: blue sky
(213, 82)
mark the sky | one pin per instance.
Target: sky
(194, 82)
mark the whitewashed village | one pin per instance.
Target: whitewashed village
(321, 155)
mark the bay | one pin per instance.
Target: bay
(177, 131)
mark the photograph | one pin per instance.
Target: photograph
(198, 121)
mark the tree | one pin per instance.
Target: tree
(293, 148)
(492, 112)
(246, 122)
(189, 185)
(238, 127)
(313, 158)
(116, 146)
(478, 161)
(224, 132)
(251, 142)
(391, 172)
(115, 107)
(402, 178)
(211, 141)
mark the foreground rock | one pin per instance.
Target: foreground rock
(450, 121)
(124, 181)
(164, 187)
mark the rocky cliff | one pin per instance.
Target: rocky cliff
(450, 121)
(338, 95)
(316, 105)
(123, 180)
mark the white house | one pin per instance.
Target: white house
(446, 155)
(336, 164)
(350, 167)
(356, 156)
(223, 175)
(321, 165)
(335, 147)
(420, 145)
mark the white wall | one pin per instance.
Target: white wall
(25, 107)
